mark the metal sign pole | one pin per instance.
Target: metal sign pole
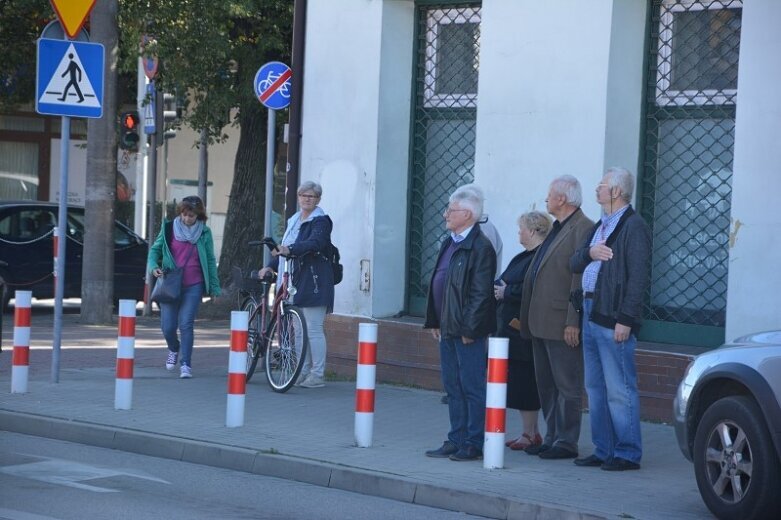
(271, 139)
(59, 267)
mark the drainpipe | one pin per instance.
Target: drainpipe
(294, 137)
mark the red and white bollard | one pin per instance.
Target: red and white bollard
(237, 370)
(495, 403)
(126, 347)
(365, 383)
(20, 367)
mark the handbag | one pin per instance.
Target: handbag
(168, 287)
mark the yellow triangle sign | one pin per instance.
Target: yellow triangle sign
(72, 14)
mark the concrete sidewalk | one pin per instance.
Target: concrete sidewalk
(307, 434)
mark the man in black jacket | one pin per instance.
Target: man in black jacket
(461, 315)
(615, 262)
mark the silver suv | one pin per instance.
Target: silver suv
(728, 423)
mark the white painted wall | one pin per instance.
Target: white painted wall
(351, 131)
(753, 301)
(547, 72)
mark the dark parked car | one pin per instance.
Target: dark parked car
(728, 423)
(27, 246)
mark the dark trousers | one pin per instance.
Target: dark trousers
(559, 370)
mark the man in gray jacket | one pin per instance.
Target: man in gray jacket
(615, 261)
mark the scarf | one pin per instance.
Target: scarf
(184, 233)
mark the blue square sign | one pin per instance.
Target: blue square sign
(69, 79)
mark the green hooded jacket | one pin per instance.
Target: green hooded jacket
(160, 256)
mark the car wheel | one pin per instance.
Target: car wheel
(737, 468)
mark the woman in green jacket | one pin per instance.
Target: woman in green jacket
(184, 242)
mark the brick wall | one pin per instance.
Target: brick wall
(407, 354)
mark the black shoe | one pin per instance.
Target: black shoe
(557, 452)
(468, 453)
(536, 450)
(592, 461)
(619, 464)
(447, 449)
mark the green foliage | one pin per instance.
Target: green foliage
(21, 23)
(208, 50)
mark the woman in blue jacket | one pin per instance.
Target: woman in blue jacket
(308, 238)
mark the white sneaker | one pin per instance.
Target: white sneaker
(301, 378)
(313, 381)
(185, 372)
(170, 361)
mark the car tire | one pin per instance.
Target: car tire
(735, 463)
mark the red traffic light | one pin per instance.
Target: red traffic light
(130, 120)
(128, 130)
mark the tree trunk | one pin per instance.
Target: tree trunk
(97, 286)
(244, 220)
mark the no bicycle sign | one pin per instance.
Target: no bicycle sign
(272, 85)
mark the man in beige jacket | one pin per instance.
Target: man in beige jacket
(553, 323)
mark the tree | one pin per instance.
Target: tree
(209, 50)
(212, 50)
(97, 284)
(21, 23)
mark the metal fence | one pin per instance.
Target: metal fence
(687, 169)
(443, 133)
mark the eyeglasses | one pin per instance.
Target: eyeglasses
(193, 201)
(308, 196)
(448, 211)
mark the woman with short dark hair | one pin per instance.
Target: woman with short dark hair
(184, 242)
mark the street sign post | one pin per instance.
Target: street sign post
(68, 82)
(72, 14)
(272, 87)
(69, 79)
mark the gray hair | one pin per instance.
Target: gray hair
(536, 221)
(568, 186)
(469, 196)
(622, 179)
(310, 186)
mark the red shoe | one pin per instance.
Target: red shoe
(525, 441)
(512, 441)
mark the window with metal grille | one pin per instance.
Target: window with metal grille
(443, 136)
(687, 170)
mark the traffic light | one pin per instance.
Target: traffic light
(166, 116)
(128, 130)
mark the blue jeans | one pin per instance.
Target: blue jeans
(181, 315)
(611, 385)
(463, 377)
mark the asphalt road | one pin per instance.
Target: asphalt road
(43, 479)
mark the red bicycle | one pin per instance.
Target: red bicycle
(277, 328)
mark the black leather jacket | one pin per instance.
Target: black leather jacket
(468, 306)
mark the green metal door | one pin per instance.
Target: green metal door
(443, 132)
(687, 167)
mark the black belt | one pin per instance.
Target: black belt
(588, 295)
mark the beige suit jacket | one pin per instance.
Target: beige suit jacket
(545, 306)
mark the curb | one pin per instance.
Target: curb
(366, 482)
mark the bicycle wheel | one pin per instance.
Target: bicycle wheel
(254, 338)
(287, 348)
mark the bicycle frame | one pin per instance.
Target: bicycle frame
(280, 297)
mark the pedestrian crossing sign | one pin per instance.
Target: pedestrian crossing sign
(69, 79)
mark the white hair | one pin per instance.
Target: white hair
(469, 196)
(569, 187)
(622, 179)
